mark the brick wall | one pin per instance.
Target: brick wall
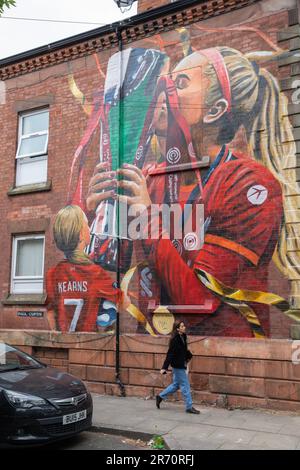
(229, 372)
(35, 212)
(53, 357)
(234, 373)
(146, 5)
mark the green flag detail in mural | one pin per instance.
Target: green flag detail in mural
(129, 90)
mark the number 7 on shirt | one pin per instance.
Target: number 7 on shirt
(79, 304)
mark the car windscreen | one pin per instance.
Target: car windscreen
(12, 359)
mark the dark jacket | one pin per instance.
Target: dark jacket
(178, 354)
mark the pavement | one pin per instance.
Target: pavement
(213, 429)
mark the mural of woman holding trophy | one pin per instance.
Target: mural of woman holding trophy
(173, 138)
(130, 80)
(222, 286)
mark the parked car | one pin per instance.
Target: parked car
(39, 404)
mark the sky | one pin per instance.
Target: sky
(21, 35)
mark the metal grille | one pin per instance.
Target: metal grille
(60, 429)
(73, 401)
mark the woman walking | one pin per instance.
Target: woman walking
(178, 356)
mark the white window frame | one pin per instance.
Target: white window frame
(32, 284)
(22, 136)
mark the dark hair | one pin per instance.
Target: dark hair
(175, 329)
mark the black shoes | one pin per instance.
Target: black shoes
(193, 411)
(158, 401)
(190, 410)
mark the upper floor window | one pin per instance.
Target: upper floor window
(32, 147)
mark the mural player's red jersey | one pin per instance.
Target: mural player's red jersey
(75, 292)
(243, 212)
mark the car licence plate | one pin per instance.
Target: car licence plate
(74, 417)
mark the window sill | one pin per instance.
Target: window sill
(30, 188)
(25, 299)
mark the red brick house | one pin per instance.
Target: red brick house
(52, 120)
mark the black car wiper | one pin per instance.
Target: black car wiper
(8, 369)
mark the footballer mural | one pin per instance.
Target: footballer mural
(81, 295)
(207, 136)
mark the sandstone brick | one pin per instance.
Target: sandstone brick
(282, 389)
(15, 338)
(159, 360)
(149, 378)
(95, 387)
(208, 398)
(199, 381)
(105, 374)
(130, 359)
(100, 374)
(283, 405)
(81, 356)
(237, 385)
(282, 370)
(136, 360)
(11, 84)
(244, 402)
(215, 365)
(78, 371)
(54, 70)
(28, 79)
(243, 348)
(59, 340)
(136, 391)
(59, 362)
(245, 367)
(110, 358)
(82, 340)
(143, 344)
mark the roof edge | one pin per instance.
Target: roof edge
(109, 28)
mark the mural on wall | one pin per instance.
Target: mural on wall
(205, 138)
(82, 296)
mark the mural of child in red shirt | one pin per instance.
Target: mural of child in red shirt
(80, 294)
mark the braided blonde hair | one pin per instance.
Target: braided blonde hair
(66, 231)
(262, 109)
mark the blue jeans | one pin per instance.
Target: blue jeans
(180, 380)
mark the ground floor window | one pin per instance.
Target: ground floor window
(28, 264)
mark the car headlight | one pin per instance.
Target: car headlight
(21, 400)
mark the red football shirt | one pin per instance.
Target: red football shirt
(75, 291)
(243, 212)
